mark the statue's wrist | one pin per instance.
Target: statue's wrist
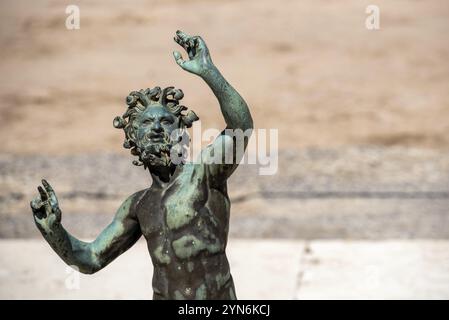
(210, 73)
(49, 228)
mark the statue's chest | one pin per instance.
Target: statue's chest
(184, 199)
(176, 206)
(177, 221)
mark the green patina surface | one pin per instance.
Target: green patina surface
(161, 256)
(180, 213)
(184, 215)
(189, 246)
(201, 293)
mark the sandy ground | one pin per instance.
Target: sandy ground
(308, 68)
(362, 117)
(350, 193)
(262, 269)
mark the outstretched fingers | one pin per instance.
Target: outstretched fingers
(197, 54)
(178, 58)
(36, 203)
(46, 199)
(50, 191)
(45, 206)
(182, 36)
(182, 41)
(189, 43)
(36, 207)
(42, 193)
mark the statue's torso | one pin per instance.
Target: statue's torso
(186, 227)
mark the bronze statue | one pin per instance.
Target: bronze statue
(184, 215)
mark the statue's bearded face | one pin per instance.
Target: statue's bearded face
(154, 128)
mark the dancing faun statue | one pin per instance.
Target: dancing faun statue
(184, 214)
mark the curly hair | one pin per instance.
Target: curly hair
(139, 101)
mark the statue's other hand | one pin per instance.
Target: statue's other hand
(199, 58)
(45, 208)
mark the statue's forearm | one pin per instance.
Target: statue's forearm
(235, 110)
(90, 257)
(73, 251)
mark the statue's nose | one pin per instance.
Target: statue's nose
(156, 127)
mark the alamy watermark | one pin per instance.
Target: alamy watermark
(228, 147)
(372, 21)
(72, 22)
(72, 281)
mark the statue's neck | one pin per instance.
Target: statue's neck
(162, 175)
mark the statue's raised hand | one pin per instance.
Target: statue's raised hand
(199, 58)
(45, 208)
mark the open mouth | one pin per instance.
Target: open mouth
(156, 137)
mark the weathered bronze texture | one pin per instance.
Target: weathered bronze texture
(184, 215)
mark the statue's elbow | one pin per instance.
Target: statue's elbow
(89, 269)
(86, 271)
(88, 262)
(249, 126)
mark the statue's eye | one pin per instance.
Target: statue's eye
(146, 121)
(166, 121)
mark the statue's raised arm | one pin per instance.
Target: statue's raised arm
(234, 109)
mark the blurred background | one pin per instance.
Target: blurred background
(359, 207)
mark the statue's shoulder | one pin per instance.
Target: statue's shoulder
(139, 195)
(206, 172)
(195, 169)
(128, 207)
